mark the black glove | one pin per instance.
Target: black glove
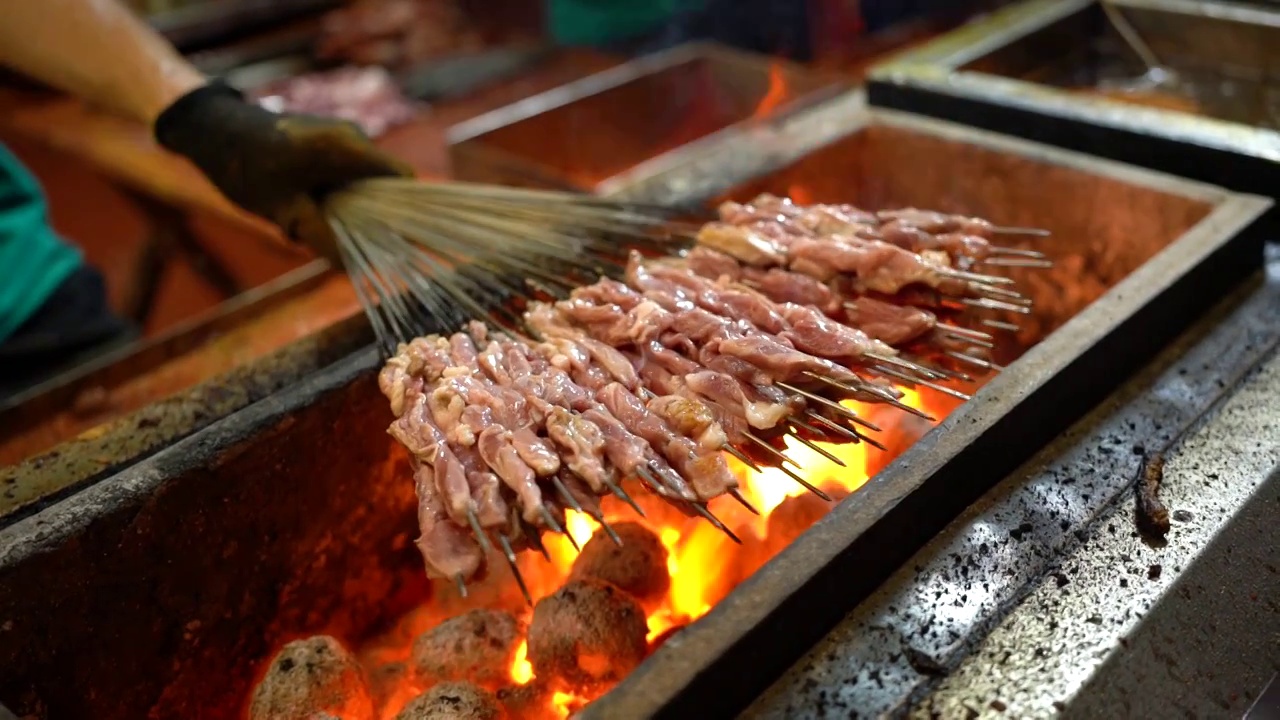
(278, 166)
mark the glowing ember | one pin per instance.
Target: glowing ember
(704, 564)
(775, 95)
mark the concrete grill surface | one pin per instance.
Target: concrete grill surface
(1043, 600)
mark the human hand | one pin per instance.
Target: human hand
(278, 166)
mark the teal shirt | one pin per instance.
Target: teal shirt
(34, 261)
(594, 22)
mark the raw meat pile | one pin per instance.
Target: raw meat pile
(395, 34)
(368, 97)
(779, 313)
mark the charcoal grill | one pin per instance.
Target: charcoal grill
(53, 440)
(1008, 73)
(165, 587)
(610, 130)
(1042, 600)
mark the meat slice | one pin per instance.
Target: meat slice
(418, 432)
(937, 223)
(729, 302)
(813, 332)
(692, 419)
(889, 323)
(583, 446)
(748, 246)
(496, 447)
(486, 491)
(366, 96)
(704, 471)
(713, 264)
(732, 394)
(448, 550)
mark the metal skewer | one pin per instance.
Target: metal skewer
(515, 570)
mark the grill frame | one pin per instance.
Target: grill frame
(155, 536)
(944, 78)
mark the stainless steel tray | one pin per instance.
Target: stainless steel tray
(1013, 72)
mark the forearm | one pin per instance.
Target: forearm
(97, 50)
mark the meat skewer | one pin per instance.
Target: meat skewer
(900, 326)
(778, 315)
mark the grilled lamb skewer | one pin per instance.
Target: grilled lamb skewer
(967, 240)
(871, 265)
(901, 326)
(651, 378)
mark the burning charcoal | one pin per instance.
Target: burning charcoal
(309, 679)
(386, 681)
(587, 633)
(453, 701)
(478, 646)
(790, 519)
(637, 567)
(526, 702)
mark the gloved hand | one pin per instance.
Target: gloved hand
(277, 166)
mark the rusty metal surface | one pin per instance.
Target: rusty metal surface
(1050, 561)
(195, 403)
(613, 134)
(156, 587)
(55, 394)
(238, 535)
(86, 404)
(987, 74)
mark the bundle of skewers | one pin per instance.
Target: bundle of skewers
(601, 348)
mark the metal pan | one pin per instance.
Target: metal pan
(1019, 71)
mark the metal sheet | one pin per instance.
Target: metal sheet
(989, 74)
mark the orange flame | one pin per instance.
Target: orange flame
(800, 195)
(703, 563)
(776, 93)
(521, 668)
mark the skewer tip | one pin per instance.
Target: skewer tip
(719, 525)
(736, 494)
(515, 570)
